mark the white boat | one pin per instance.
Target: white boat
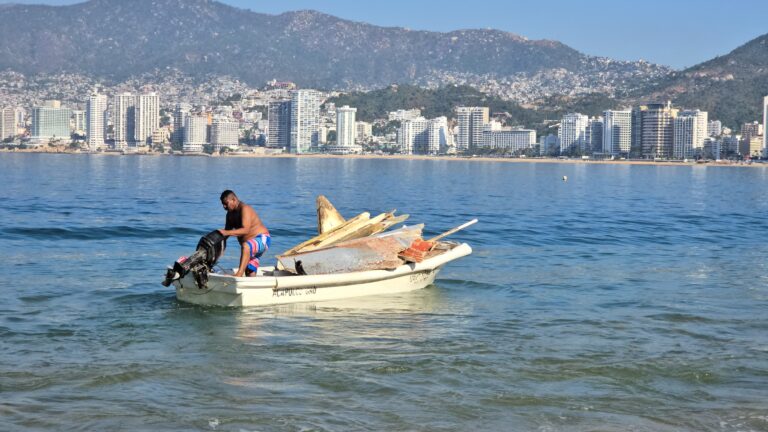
(272, 286)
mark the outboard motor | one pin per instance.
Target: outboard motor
(209, 249)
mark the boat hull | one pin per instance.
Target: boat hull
(227, 290)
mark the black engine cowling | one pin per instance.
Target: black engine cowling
(209, 249)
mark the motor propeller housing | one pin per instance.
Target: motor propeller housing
(209, 249)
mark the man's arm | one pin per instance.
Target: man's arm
(248, 216)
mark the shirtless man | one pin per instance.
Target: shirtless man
(243, 222)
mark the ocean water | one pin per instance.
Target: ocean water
(629, 298)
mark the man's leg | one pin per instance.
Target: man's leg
(245, 255)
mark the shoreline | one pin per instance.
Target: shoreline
(408, 157)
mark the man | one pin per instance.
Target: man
(243, 222)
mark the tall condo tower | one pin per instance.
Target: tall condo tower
(690, 131)
(123, 120)
(617, 132)
(195, 132)
(765, 126)
(279, 124)
(180, 113)
(656, 134)
(471, 120)
(96, 119)
(346, 130)
(305, 120)
(7, 123)
(573, 132)
(147, 117)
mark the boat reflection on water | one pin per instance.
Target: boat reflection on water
(379, 316)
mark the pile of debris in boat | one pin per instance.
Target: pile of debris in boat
(361, 243)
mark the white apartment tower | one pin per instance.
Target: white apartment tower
(8, 124)
(573, 132)
(690, 131)
(123, 119)
(225, 132)
(147, 117)
(617, 132)
(346, 131)
(305, 121)
(471, 123)
(765, 125)
(195, 131)
(413, 135)
(180, 114)
(96, 119)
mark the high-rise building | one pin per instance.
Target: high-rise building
(364, 130)
(749, 130)
(147, 117)
(225, 132)
(413, 135)
(96, 119)
(714, 128)
(690, 130)
(426, 137)
(765, 123)
(8, 124)
(279, 129)
(439, 138)
(346, 131)
(471, 121)
(305, 121)
(730, 144)
(49, 122)
(180, 113)
(195, 132)
(593, 141)
(656, 129)
(573, 132)
(617, 132)
(123, 120)
(78, 122)
(511, 139)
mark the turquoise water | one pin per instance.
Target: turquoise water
(627, 298)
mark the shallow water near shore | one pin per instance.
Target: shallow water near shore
(628, 298)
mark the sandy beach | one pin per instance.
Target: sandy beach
(61, 150)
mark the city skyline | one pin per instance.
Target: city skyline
(582, 26)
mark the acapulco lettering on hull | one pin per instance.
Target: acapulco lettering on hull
(294, 292)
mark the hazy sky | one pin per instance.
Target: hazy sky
(677, 33)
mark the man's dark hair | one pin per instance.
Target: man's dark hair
(226, 194)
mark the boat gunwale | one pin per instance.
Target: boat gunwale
(340, 279)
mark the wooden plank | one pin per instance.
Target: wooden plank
(350, 222)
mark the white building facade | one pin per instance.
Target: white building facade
(617, 132)
(305, 121)
(147, 117)
(346, 129)
(690, 131)
(8, 123)
(96, 119)
(123, 118)
(225, 132)
(572, 133)
(195, 131)
(509, 139)
(472, 121)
